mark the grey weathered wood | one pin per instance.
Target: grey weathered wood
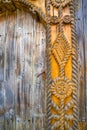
(24, 44)
(2, 55)
(85, 48)
(82, 38)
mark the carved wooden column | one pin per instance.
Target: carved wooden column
(62, 66)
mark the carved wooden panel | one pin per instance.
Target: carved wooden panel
(63, 88)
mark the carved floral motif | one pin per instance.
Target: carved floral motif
(62, 88)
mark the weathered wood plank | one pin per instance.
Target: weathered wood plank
(82, 38)
(79, 21)
(84, 10)
(2, 69)
(10, 54)
(25, 92)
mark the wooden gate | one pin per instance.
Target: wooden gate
(22, 65)
(22, 75)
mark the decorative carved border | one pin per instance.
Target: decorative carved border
(60, 87)
(74, 65)
(12, 5)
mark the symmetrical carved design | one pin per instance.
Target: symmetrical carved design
(62, 88)
(64, 101)
(55, 20)
(61, 50)
(56, 3)
(12, 5)
(62, 91)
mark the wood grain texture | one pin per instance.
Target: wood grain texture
(22, 79)
(81, 20)
(84, 9)
(80, 36)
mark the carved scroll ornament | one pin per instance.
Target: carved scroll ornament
(62, 52)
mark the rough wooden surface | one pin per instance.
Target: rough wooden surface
(22, 83)
(81, 20)
(84, 7)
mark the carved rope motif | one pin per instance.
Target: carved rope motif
(62, 88)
